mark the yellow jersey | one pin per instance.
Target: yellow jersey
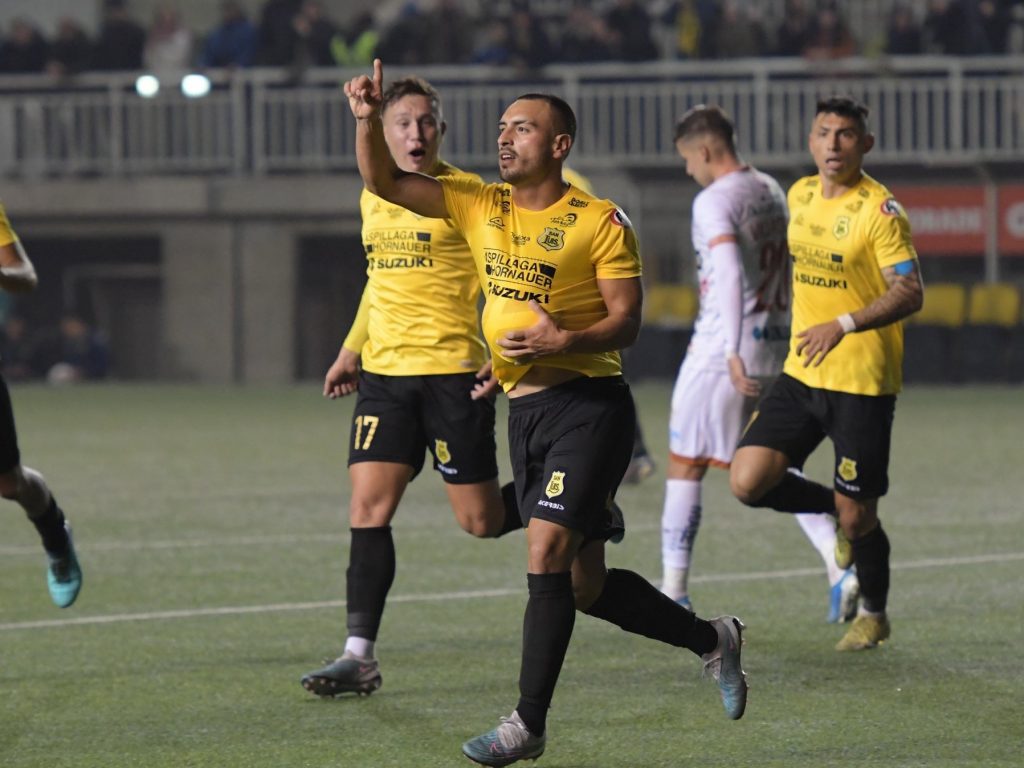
(418, 314)
(7, 235)
(554, 256)
(839, 247)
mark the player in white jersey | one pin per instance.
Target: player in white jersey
(739, 342)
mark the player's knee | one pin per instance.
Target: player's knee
(745, 485)
(477, 523)
(370, 513)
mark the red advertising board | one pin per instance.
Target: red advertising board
(947, 220)
(1011, 220)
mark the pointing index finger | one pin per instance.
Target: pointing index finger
(378, 76)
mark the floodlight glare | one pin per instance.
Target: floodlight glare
(147, 86)
(195, 86)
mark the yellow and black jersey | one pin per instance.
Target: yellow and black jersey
(839, 247)
(554, 256)
(7, 235)
(418, 315)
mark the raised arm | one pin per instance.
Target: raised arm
(413, 191)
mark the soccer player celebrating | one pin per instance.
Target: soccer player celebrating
(739, 340)
(413, 354)
(22, 484)
(855, 278)
(561, 276)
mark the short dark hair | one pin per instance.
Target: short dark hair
(410, 86)
(707, 120)
(563, 112)
(845, 106)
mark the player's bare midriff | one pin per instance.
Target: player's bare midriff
(541, 377)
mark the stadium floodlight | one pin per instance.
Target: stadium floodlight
(195, 86)
(147, 86)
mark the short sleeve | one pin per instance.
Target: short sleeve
(461, 194)
(7, 235)
(616, 251)
(711, 214)
(890, 234)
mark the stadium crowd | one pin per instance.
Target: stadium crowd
(300, 33)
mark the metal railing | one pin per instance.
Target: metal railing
(253, 122)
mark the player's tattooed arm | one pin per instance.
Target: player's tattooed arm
(903, 298)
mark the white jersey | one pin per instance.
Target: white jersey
(750, 206)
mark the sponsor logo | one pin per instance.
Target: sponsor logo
(551, 239)
(441, 451)
(532, 273)
(854, 207)
(566, 221)
(863, 192)
(619, 217)
(508, 292)
(817, 230)
(575, 202)
(555, 485)
(398, 241)
(402, 262)
(506, 206)
(447, 470)
(805, 198)
(847, 469)
(891, 208)
(497, 222)
(518, 239)
(550, 504)
(820, 282)
(841, 227)
(799, 220)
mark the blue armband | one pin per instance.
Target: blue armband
(904, 267)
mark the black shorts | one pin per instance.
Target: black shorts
(794, 418)
(398, 418)
(10, 456)
(570, 446)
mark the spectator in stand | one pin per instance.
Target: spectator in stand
(357, 45)
(277, 38)
(695, 23)
(314, 33)
(943, 29)
(17, 350)
(529, 44)
(793, 34)
(121, 39)
(585, 36)
(71, 50)
(495, 49)
(630, 25)
(82, 353)
(903, 36)
(994, 19)
(25, 51)
(234, 42)
(449, 34)
(168, 43)
(829, 36)
(404, 42)
(740, 33)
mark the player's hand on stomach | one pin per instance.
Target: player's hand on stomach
(529, 342)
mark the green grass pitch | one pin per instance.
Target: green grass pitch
(210, 526)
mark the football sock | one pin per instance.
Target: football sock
(360, 647)
(871, 556)
(547, 628)
(371, 570)
(41, 508)
(680, 520)
(795, 493)
(821, 530)
(513, 521)
(632, 603)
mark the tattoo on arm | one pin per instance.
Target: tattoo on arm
(904, 298)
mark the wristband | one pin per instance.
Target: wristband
(846, 322)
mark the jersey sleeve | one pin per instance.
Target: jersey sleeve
(359, 333)
(462, 194)
(890, 234)
(712, 214)
(7, 235)
(616, 253)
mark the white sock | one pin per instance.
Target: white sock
(359, 646)
(680, 520)
(821, 530)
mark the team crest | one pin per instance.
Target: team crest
(441, 451)
(551, 239)
(841, 228)
(555, 485)
(847, 469)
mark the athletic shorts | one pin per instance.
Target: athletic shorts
(398, 418)
(707, 417)
(794, 418)
(10, 456)
(570, 446)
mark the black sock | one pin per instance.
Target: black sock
(547, 628)
(871, 556)
(631, 602)
(798, 494)
(371, 570)
(51, 529)
(513, 521)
